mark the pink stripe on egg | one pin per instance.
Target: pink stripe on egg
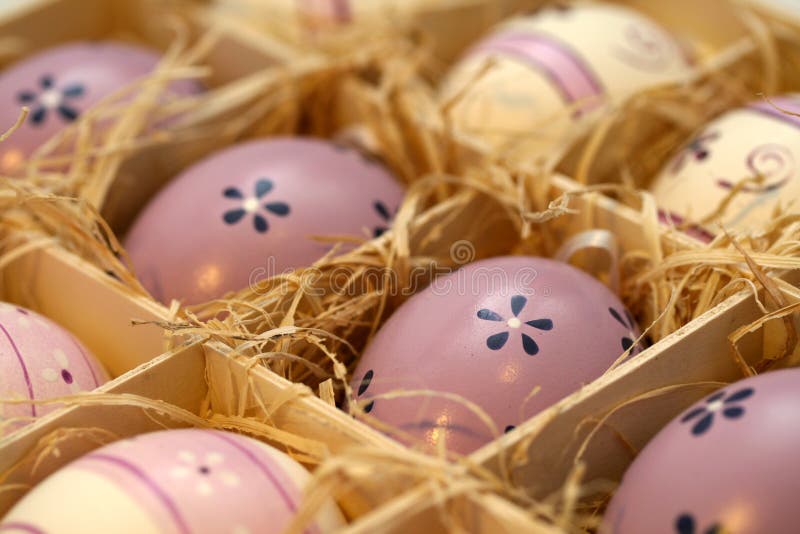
(766, 108)
(272, 471)
(20, 527)
(23, 366)
(165, 499)
(572, 77)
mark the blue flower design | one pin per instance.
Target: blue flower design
(497, 341)
(626, 321)
(252, 205)
(703, 416)
(384, 213)
(696, 149)
(364, 386)
(51, 98)
(686, 524)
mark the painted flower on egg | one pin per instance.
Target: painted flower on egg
(51, 98)
(252, 205)
(497, 341)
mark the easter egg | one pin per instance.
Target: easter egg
(532, 84)
(754, 150)
(493, 333)
(250, 211)
(727, 464)
(172, 481)
(40, 360)
(59, 84)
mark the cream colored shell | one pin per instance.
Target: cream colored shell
(529, 87)
(739, 145)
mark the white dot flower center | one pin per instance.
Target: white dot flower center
(250, 205)
(514, 323)
(714, 406)
(50, 98)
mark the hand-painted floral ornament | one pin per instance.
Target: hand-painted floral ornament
(492, 332)
(39, 360)
(725, 465)
(754, 150)
(59, 84)
(249, 212)
(528, 88)
(173, 481)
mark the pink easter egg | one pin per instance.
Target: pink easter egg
(40, 360)
(492, 332)
(249, 212)
(172, 481)
(727, 464)
(60, 83)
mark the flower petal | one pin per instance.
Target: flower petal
(263, 186)
(508, 429)
(684, 524)
(39, 115)
(368, 408)
(497, 341)
(517, 303)
(703, 424)
(67, 113)
(61, 358)
(615, 314)
(626, 343)
(73, 91)
(378, 231)
(716, 396)
(541, 324)
(488, 315)
(733, 412)
(694, 413)
(50, 374)
(260, 224)
(26, 97)
(278, 208)
(529, 345)
(740, 395)
(204, 488)
(382, 210)
(232, 192)
(46, 81)
(233, 216)
(366, 381)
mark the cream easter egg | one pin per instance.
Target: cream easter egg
(528, 87)
(754, 149)
(173, 481)
(39, 360)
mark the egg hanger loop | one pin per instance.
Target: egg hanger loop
(601, 240)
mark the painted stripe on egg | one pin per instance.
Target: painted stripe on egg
(16, 526)
(23, 366)
(574, 79)
(86, 361)
(132, 469)
(765, 108)
(271, 472)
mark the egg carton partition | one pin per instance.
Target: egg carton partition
(191, 378)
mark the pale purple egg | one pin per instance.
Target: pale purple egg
(60, 83)
(249, 212)
(172, 481)
(492, 332)
(39, 360)
(728, 464)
